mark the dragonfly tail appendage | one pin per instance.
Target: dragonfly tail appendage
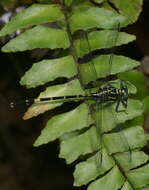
(22, 103)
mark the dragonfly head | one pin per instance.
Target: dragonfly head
(122, 97)
(124, 93)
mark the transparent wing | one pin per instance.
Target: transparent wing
(91, 70)
(89, 50)
(114, 41)
(95, 107)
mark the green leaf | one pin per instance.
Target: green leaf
(121, 136)
(137, 158)
(127, 186)
(88, 170)
(100, 40)
(111, 118)
(92, 17)
(139, 177)
(103, 68)
(139, 120)
(113, 180)
(38, 37)
(64, 123)
(48, 70)
(70, 88)
(135, 139)
(68, 2)
(130, 9)
(144, 188)
(34, 15)
(72, 148)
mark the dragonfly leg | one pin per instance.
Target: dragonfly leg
(93, 107)
(118, 104)
(124, 103)
(125, 106)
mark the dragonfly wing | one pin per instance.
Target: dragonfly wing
(93, 108)
(89, 52)
(98, 115)
(91, 70)
(113, 43)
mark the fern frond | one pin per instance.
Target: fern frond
(55, 26)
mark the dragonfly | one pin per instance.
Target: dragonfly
(105, 94)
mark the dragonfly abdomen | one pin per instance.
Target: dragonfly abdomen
(103, 95)
(68, 98)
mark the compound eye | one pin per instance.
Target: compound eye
(125, 89)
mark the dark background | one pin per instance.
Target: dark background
(23, 167)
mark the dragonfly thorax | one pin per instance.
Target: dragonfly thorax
(106, 94)
(112, 93)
